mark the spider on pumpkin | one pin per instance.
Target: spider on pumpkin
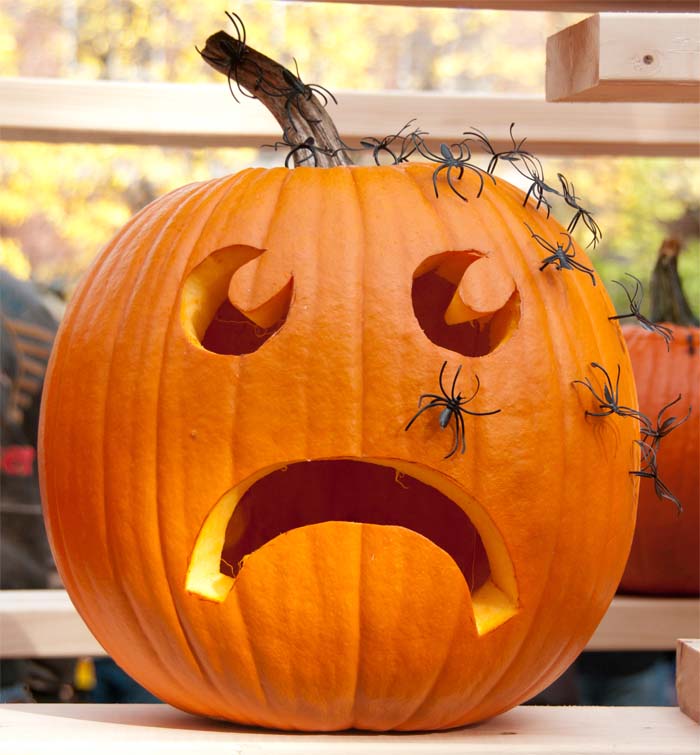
(454, 408)
(384, 145)
(649, 469)
(514, 154)
(308, 145)
(581, 213)
(663, 426)
(454, 157)
(635, 301)
(560, 256)
(609, 402)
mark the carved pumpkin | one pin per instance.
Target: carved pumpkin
(235, 506)
(665, 555)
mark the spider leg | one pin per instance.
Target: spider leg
(476, 390)
(454, 383)
(442, 372)
(452, 186)
(540, 240)
(435, 175)
(463, 431)
(583, 269)
(455, 446)
(420, 411)
(430, 395)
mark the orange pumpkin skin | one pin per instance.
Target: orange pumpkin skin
(665, 555)
(340, 624)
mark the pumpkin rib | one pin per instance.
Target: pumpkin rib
(512, 229)
(203, 213)
(569, 349)
(193, 202)
(101, 271)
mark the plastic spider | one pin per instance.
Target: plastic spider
(456, 157)
(663, 426)
(609, 402)
(453, 409)
(514, 154)
(407, 145)
(235, 50)
(635, 301)
(581, 213)
(298, 92)
(308, 145)
(560, 256)
(533, 171)
(649, 469)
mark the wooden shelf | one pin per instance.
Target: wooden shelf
(204, 115)
(43, 623)
(527, 730)
(626, 57)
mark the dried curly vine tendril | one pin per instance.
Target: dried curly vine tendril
(453, 407)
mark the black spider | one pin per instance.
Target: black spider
(635, 301)
(560, 256)
(649, 469)
(308, 145)
(454, 408)
(533, 171)
(406, 145)
(454, 157)
(581, 213)
(235, 51)
(298, 92)
(663, 426)
(514, 154)
(609, 402)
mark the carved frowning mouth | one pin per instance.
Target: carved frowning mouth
(377, 492)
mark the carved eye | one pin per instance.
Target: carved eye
(210, 316)
(466, 302)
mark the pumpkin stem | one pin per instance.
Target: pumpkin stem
(668, 302)
(299, 108)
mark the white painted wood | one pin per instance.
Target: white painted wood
(527, 730)
(36, 623)
(626, 57)
(688, 677)
(43, 624)
(204, 115)
(557, 6)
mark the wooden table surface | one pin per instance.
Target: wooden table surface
(527, 730)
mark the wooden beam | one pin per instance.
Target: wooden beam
(204, 115)
(555, 6)
(162, 730)
(43, 623)
(637, 623)
(632, 57)
(688, 677)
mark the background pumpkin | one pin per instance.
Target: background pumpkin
(665, 555)
(166, 461)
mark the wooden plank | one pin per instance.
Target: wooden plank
(43, 624)
(688, 677)
(637, 623)
(204, 115)
(36, 623)
(632, 57)
(527, 730)
(556, 6)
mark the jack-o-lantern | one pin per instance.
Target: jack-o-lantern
(237, 503)
(665, 554)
